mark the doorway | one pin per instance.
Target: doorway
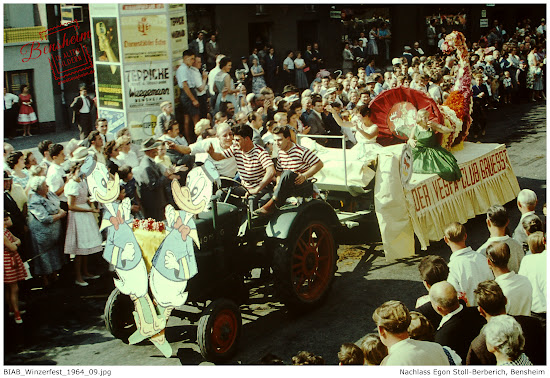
(307, 33)
(259, 33)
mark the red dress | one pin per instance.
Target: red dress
(13, 265)
(26, 112)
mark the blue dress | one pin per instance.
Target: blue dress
(46, 235)
(258, 82)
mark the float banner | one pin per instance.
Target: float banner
(178, 32)
(487, 179)
(147, 86)
(105, 36)
(115, 119)
(144, 38)
(109, 86)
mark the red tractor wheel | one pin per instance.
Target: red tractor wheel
(219, 330)
(304, 265)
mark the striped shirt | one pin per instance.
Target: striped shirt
(251, 165)
(297, 159)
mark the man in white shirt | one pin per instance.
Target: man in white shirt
(10, 113)
(527, 201)
(171, 135)
(378, 86)
(497, 222)
(188, 96)
(199, 83)
(392, 321)
(467, 268)
(96, 146)
(197, 45)
(541, 29)
(83, 112)
(211, 76)
(534, 268)
(516, 288)
(102, 126)
(55, 177)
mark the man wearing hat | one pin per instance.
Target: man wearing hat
(289, 91)
(84, 112)
(407, 54)
(152, 181)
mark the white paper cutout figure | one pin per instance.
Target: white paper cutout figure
(124, 253)
(174, 262)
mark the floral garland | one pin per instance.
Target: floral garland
(148, 225)
(452, 122)
(460, 99)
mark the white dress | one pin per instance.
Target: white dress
(83, 237)
(365, 149)
(372, 47)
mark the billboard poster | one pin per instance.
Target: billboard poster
(109, 87)
(142, 124)
(142, 8)
(103, 9)
(176, 62)
(147, 85)
(178, 32)
(105, 35)
(115, 119)
(144, 38)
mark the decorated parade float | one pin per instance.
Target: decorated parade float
(198, 260)
(421, 204)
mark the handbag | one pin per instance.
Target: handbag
(306, 69)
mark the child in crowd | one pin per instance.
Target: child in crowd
(201, 127)
(129, 185)
(373, 348)
(164, 118)
(269, 140)
(507, 85)
(351, 354)
(14, 269)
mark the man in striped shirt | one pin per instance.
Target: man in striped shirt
(254, 164)
(295, 165)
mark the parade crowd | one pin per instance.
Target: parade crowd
(483, 307)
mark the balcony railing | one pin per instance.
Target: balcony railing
(22, 35)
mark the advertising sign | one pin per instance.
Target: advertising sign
(178, 32)
(141, 8)
(115, 119)
(147, 86)
(142, 125)
(105, 35)
(144, 38)
(109, 86)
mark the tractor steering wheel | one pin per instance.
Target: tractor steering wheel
(228, 191)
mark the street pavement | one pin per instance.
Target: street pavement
(64, 324)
